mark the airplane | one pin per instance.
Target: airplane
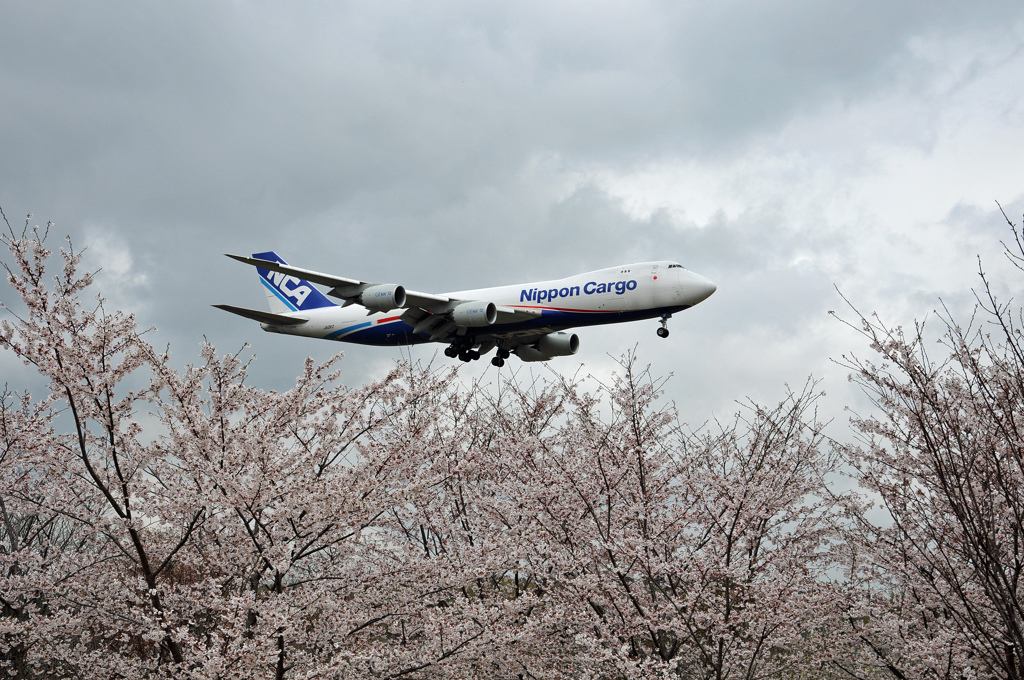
(528, 320)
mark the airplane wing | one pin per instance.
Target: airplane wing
(425, 312)
(515, 315)
(349, 289)
(438, 325)
(418, 305)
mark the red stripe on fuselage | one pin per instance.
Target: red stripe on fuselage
(566, 309)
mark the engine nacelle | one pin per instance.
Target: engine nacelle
(475, 313)
(550, 345)
(383, 298)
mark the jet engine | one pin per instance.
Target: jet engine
(383, 297)
(475, 314)
(550, 345)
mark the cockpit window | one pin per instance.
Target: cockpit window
(675, 266)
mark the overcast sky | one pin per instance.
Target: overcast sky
(780, 149)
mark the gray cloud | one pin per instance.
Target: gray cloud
(456, 145)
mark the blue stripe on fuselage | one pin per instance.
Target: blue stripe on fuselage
(400, 333)
(348, 329)
(392, 333)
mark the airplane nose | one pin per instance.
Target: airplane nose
(706, 288)
(697, 288)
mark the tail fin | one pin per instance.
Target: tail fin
(288, 293)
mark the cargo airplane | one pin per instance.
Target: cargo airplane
(528, 320)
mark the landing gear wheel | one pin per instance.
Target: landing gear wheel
(464, 356)
(451, 351)
(503, 353)
(663, 331)
(473, 355)
(497, 361)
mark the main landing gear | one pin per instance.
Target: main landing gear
(467, 353)
(663, 331)
(463, 352)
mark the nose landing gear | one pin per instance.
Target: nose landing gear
(499, 360)
(663, 331)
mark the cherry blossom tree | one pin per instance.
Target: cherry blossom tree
(164, 522)
(185, 523)
(938, 578)
(700, 555)
(629, 546)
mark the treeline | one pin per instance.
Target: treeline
(157, 522)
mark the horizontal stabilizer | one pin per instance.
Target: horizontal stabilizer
(263, 317)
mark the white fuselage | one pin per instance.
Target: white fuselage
(612, 295)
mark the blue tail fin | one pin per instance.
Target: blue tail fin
(289, 293)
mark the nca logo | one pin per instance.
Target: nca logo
(290, 286)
